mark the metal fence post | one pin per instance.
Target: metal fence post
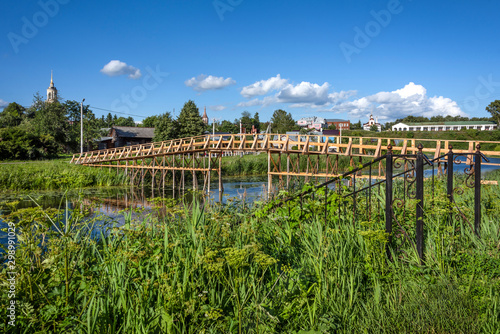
(388, 198)
(449, 175)
(477, 190)
(420, 202)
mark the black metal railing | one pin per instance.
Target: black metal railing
(403, 189)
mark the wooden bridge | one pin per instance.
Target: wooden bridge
(309, 156)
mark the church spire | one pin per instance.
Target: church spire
(52, 90)
(205, 117)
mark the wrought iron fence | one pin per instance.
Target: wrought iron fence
(398, 197)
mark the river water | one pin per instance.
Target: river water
(114, 201)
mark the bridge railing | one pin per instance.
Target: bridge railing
(282, 143)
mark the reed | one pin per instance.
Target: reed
(56, 175)
(231, 269)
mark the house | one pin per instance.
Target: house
(126, 136)
(313, 122)
(340, 124)
(372, 122)
(445, 126)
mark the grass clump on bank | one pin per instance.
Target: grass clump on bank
(56, 175)
(234, 269)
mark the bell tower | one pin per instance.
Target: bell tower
(51, 91)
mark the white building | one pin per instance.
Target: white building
(445, 126)
(372, 122)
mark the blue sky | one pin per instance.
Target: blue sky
(333, 59)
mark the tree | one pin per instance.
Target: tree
(332, 127)
(190, 121)
(12, 115)
(50, 119)
(281, 121)
(374, 128)
(356, 126)
(122, 121)
(91, 126)
(227, 126)
(494, 109)
(246, 121)
(166, 128)
(256, 121)
(151, 121)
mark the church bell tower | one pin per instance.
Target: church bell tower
(51, 91)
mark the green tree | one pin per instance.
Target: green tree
(256, 121)
(166, 128)
(356, 126)
(122, 121)
(494, 109)
(281, 121)
(151, 121)
(332, 127)
(227, 126)
(189, 120)
(246, 121)
(374, 128)
(91, 126)
(50, 119)
(12, 115)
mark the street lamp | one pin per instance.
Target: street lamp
(81, 126)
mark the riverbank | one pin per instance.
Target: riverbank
(55, 174)
(237, 269)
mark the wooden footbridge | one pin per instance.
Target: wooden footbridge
(289, 156)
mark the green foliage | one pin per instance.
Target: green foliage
(18, 144)
(189, 120)
(12, 115)
(56, 175)
(166, 128)
(282, 121)
(494, 109)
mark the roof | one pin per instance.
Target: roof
(336, 120)
(453, 123)
(133, 132)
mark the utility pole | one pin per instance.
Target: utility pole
(81, 126)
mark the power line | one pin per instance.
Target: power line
(117, 112)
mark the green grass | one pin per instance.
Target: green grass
(55, 174)
(234, 269)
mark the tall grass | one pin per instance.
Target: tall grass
(56, 175)
(222, 269)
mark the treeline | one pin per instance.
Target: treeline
(45, 130)
(189, 123)
(436, 119)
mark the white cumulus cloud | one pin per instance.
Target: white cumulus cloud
(412, 99)
(305, 92)
(115, 68)
(3, 103)
(218, 107)
(204, 82)
(263, 87)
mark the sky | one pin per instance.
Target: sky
(328, 58)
